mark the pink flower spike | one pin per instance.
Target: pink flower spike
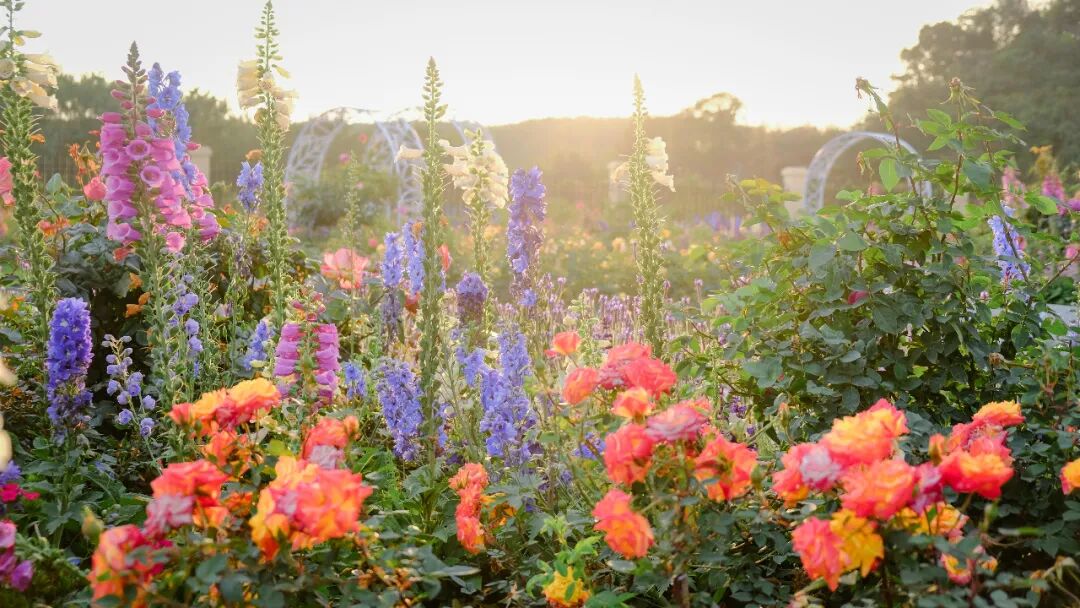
(174, 242)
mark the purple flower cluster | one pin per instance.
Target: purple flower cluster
(327, 361)
(287, 354)
(184, 301)
(393, 269)
(1005, 239)
(12, 571)
(67, 361)
(399, 397)
(355, 383)
(508, 414)
(256, 350)
(126, 385)
(414, 256)
(524, 233)
(471, 295)
(250, 182)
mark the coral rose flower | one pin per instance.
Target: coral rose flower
(820, 549)
(626, 454)
(627, 532)
(878, 490)
(344, 266)
(680, 422)
(470, 474)
(726, 466)
(564, 343)
(579, 384)
(981, 473)
(1070, 476)
(999, 413)
(632, 403)
(470, 534)
(653, 375)
(867, 436)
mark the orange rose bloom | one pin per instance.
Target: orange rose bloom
(227, 408)
(565, 343)
(113, 570)
(470, 474)
(344, 266)
(941, 519)
(470, 534)
(680, 422)
(960, 571)
(626, 532)
(580, 384)
(879, 490)
(307, 505)
(199, 480)
(999, 413)
(728, 465)
(653, 375)
(1070, 476)
(632, 403)
(225, 446)
(611, 373)
(820, 550)
(330, 432)
(626, 454)
(862, 546)
(253, 397)
(867, 436)
(788, 482)
(982, 473)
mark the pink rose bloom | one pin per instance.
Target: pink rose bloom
(94, 190)
(818, 469)
(344, 266)
(680, 422)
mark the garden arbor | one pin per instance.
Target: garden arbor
(307, 156)
(824, 159)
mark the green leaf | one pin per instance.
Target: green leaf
(210, 570)
(1045, 204)
(939, 116)
(821, 254)
(889, 174)
(851, 242)
(979, 173)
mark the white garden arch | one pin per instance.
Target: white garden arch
(824, 159)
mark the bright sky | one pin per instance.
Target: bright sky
(792, 62)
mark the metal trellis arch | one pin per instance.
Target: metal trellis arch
(824, 159)
(307, 155)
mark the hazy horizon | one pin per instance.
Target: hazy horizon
(790, 64)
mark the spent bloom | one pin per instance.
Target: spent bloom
(67, 362)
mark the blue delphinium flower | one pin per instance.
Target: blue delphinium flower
(355, 383)
(524, 233)
(165, 89)
(592, 448)
(146, 426)
(11, 474)
(256, 350)
(250, 182)
(124, 385)
(125, 416)
(414, 256)
(508, 414)
(393, 269)
(1005, 238)
(399, 397)
(183, 303)
(472, 363)
(471, 295)
(67, 361)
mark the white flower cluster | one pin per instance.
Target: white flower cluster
(478, 170)
(656, 162)
(33, 80)
(250, 89)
